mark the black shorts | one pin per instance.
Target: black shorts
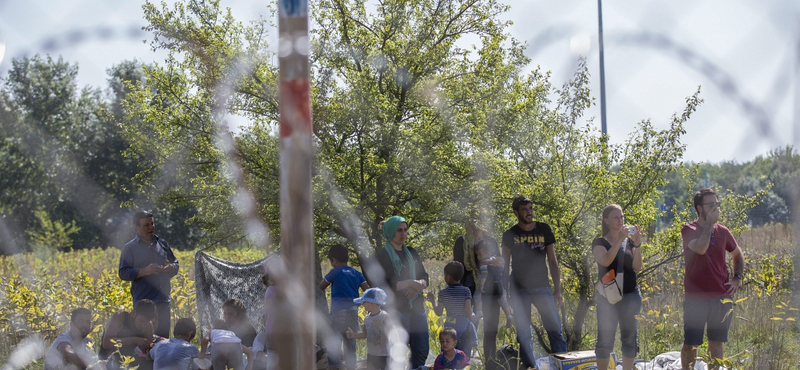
(714, 314)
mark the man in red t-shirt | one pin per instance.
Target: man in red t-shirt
(707, 282)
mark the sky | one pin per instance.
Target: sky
(745, 55)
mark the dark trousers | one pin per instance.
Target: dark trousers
(164, 316)
(491, 320)
(416, 324)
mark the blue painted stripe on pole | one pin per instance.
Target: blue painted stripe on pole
(294, 8)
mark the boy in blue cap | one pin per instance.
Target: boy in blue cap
(378, 329)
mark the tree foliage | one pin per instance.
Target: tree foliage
(388, 135)
(215, 67)
(395, 133)
(778, 172)
(61, 153)
(51, 235)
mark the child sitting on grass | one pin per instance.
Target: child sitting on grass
(378, 329)
(450, 358)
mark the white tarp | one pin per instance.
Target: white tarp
(667, 361)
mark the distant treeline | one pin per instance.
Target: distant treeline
(67, 176)
(778, 171)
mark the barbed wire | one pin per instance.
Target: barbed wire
(71, 39)
(756, 112)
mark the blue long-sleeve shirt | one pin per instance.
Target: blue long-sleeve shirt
(137, 254)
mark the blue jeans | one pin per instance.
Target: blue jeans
(341, 320)
(416, 324)
(542, 298)
(465, 331)
(609, 316)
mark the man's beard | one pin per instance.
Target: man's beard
(524, 221)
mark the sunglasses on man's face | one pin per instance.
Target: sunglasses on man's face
(712, 204)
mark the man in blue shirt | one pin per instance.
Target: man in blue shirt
(148, 263)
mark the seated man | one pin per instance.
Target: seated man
(176, 353)
(133, 332)
(73, 350)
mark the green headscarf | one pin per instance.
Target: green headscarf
(389, 230)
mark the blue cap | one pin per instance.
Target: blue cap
(374, 295)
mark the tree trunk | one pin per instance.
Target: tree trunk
(575, 332)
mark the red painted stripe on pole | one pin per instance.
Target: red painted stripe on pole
(295, 107)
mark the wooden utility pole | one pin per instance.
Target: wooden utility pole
(295, 343)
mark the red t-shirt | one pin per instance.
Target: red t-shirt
(707, 274)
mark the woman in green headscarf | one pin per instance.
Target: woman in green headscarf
(407, 278)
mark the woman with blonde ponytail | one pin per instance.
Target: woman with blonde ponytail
(619, 243)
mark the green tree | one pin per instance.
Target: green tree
(215, 67)
(389, 139)
(54, 136)
(570, 174)
(123, 167)
(51, 235)
(777, 172)
(63, 152)
(393, 118)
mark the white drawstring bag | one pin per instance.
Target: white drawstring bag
(610, 284)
